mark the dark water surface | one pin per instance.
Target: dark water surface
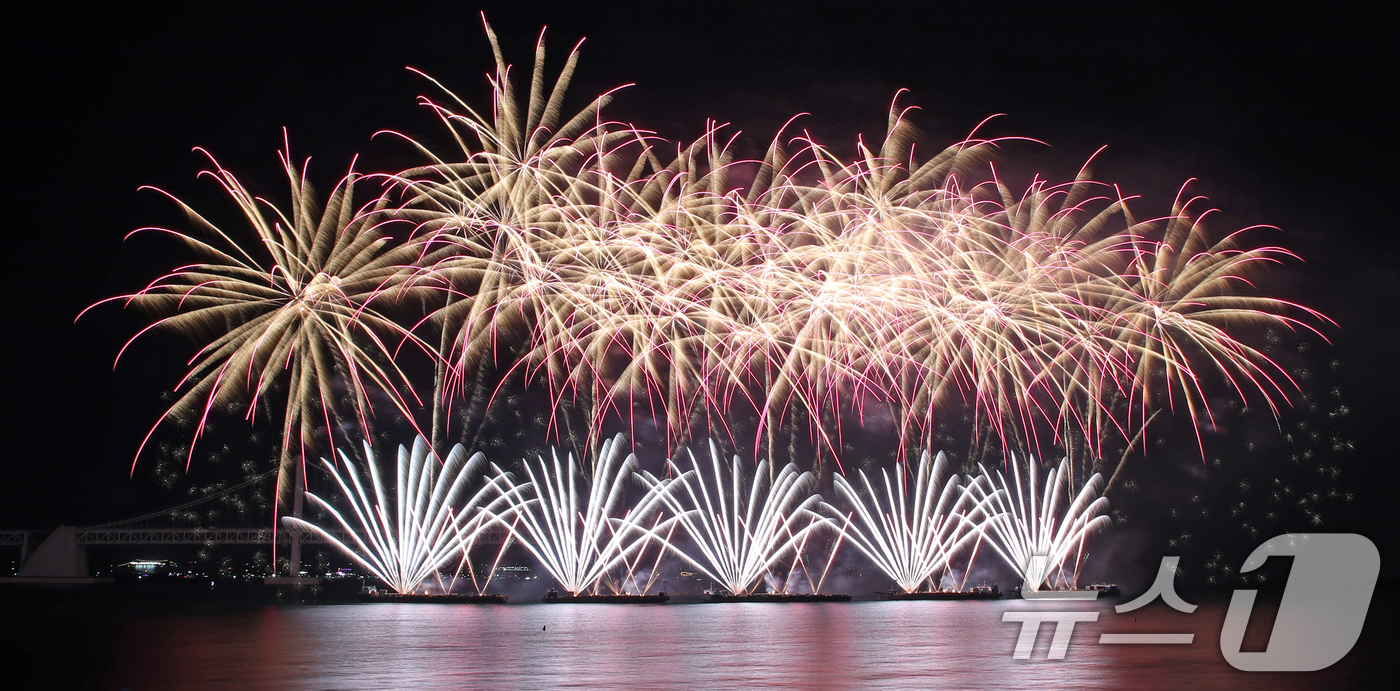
(858, 645)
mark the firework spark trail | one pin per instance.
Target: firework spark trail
(738, 542)
(1028, 532)
(580, 541)
(404, 537)
(911, 538)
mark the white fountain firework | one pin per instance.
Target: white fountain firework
(580, 542)
(1029, 534)
(405, 540)
(737, 542)
(911, 539)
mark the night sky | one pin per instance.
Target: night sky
(1284, 116)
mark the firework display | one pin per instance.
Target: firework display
(912, 539)
(406, 533)
(300, 307)
(663, 289)
(744, 532)
(503, 345)
(709, 296)
(739, 541)
(1029, 533)
(580, 540)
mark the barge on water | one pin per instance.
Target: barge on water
(443, 599)
(1104, 589)
(553, 597)
(726, 596)
(980, 592)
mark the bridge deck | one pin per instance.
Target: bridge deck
(188, 536)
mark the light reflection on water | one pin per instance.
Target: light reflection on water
(860, 645)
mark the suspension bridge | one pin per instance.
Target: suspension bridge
(237, 515)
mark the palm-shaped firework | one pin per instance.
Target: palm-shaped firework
(298, 303)
(911, 538)
(504, 204)
(575, 532)
(1028, 530)
(1178, 301)
(742, 526)
(403, 534)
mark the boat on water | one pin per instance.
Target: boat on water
(1105, 589)
(553, 597)
(978, 592)
(726, 596)
(372, 595)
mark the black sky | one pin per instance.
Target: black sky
(1284, 115)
